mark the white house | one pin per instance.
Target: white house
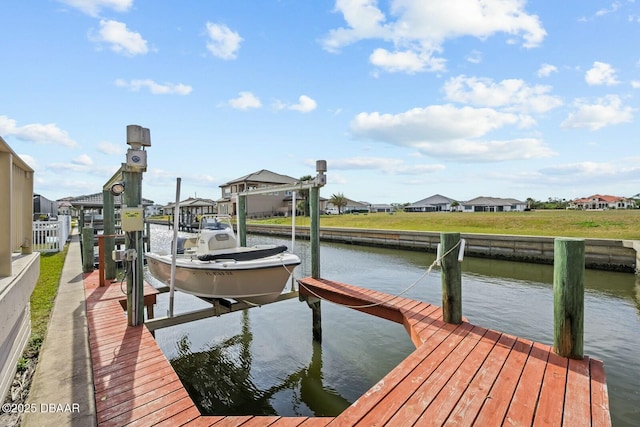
(435, 203)
(493, 204)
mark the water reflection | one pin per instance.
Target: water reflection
(219, 380)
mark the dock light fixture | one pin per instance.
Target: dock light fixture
(138, 137)
(117, 188)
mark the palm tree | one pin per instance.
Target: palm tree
(339, 201)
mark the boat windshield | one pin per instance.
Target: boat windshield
(213, 224)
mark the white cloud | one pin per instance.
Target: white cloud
(614, 7)
(93, 7)
(593, 174)
(582, 168)
(407, 61)
(635, 84)
(30, 160)
(446, 131)
(36, 132)
(155, 88)
(102, 171)
(418, 29)
(120, 38)
(605, 111)
(305, 105)
(475, 57)
(545, 70)
(384, 164)
(223, 42)
(111, 148)
(510, 94)
(245, 101)
(601, 74)
(364, 19)
(83, 160)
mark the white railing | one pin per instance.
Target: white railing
(51, 236)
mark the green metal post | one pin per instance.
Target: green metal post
(451, 278)
(109, 230)
(242, 220)
(568, 297)
(314, 231)
(132, 197)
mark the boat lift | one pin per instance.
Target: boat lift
(220, 306)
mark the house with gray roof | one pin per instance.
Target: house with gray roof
(493, 204)
(435, 203)
(259, 205)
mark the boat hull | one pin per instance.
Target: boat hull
(258, 281)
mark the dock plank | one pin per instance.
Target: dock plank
(468, 406)
(600, 414)
(495, 406)
(438, 411)
(523, 403)
(551, 400)
(443, 365)
(577, 405)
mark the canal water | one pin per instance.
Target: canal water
(263, 361)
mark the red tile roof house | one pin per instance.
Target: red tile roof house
(598, 201)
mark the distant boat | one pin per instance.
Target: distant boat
(212, 265)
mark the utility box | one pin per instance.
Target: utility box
(137, 159)
(132, 219)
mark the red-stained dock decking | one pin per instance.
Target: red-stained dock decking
(458, 374)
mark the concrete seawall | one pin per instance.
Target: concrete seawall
(600, 254)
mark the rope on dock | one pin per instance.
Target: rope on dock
(435, 262)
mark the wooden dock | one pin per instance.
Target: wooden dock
(458, 375)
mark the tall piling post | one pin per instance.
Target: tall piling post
(314, 231)
(568, 297)
(242, 219)
(451, 278)
(314, 236)
(108, 215)
(314, 207)
(87, 249)
(135, 274)
(138, 138)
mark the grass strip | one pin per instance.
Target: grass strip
(42, 300)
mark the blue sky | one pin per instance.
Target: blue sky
(403, 98)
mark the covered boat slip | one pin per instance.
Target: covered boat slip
(458, 374)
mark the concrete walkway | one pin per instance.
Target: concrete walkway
(62, 389)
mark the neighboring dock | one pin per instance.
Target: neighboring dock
(458, 374)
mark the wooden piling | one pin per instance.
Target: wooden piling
(314, 204)
(242, 219)
(132, 197)
(106, 261)
(87, 249)
(568, 297)
(451, 278)
(314, 305)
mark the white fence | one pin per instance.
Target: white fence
(51, 236)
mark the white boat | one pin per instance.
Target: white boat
(212, 265)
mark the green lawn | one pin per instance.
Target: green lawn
(42, 300)
(610, 224)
